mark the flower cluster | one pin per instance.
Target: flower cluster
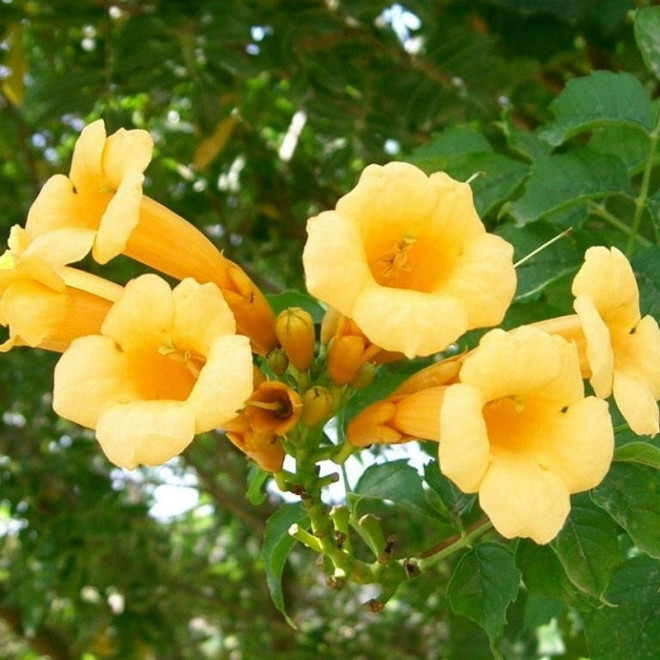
(405, 267)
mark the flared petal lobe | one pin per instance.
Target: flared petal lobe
(622, 348)
(407, 258)
(165, 367)
(518, 430)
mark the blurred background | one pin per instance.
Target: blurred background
(263, 113)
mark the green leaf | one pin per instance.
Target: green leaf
(281, 301)
(455, 502)
(498, 177)
(462, 153)
(559, 181)
(547, 266)
(631, 628)
(630, 144)
(588, 547)
(544, 574)
(631, 495)
(256, 484)
(643, 453)
(647, 36)
(600, 98)
(646, 265)
(434, 155)
(484, 583)
(276, 548)
(398, 482)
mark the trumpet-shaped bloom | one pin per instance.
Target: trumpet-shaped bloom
(167, 365)
(623, 349)
(518, 430)
(102, 202)
(272, 410)
(408, 259)
(45, 303)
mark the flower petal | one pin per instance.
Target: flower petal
(200, 315)
(521, 499)
(578, 444)
(146, 303)
(431, 322)
(145, 432)
(600, 354)
(524, 361)
(486, 259)
(464, 452)
(125, 152)
(335, 263)
(90, 377)
(607, 278)
(87, 156)
(119, 219)
(636, 403)
(224, 382)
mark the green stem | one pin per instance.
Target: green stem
(604, 214)
(453, 544)
(640, 200)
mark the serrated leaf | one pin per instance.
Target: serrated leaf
(484, 583)
(558, 181)
(631, 495)
(588, 547)
(544, 574)
(281, 301)
(647, 36)
(631, 628)
(398, 482)
(600, 98)
(643, 453)
(276, 548)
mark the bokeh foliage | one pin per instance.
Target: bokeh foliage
(86, 568)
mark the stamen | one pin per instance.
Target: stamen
(397, 259)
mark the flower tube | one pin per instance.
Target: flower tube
(47, 304)
(406, 257)
(166, 366)
(103, 198)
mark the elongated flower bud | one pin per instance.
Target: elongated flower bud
(294, 328)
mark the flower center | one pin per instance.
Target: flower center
(192, 360)
(510, 422)
(396, 261)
